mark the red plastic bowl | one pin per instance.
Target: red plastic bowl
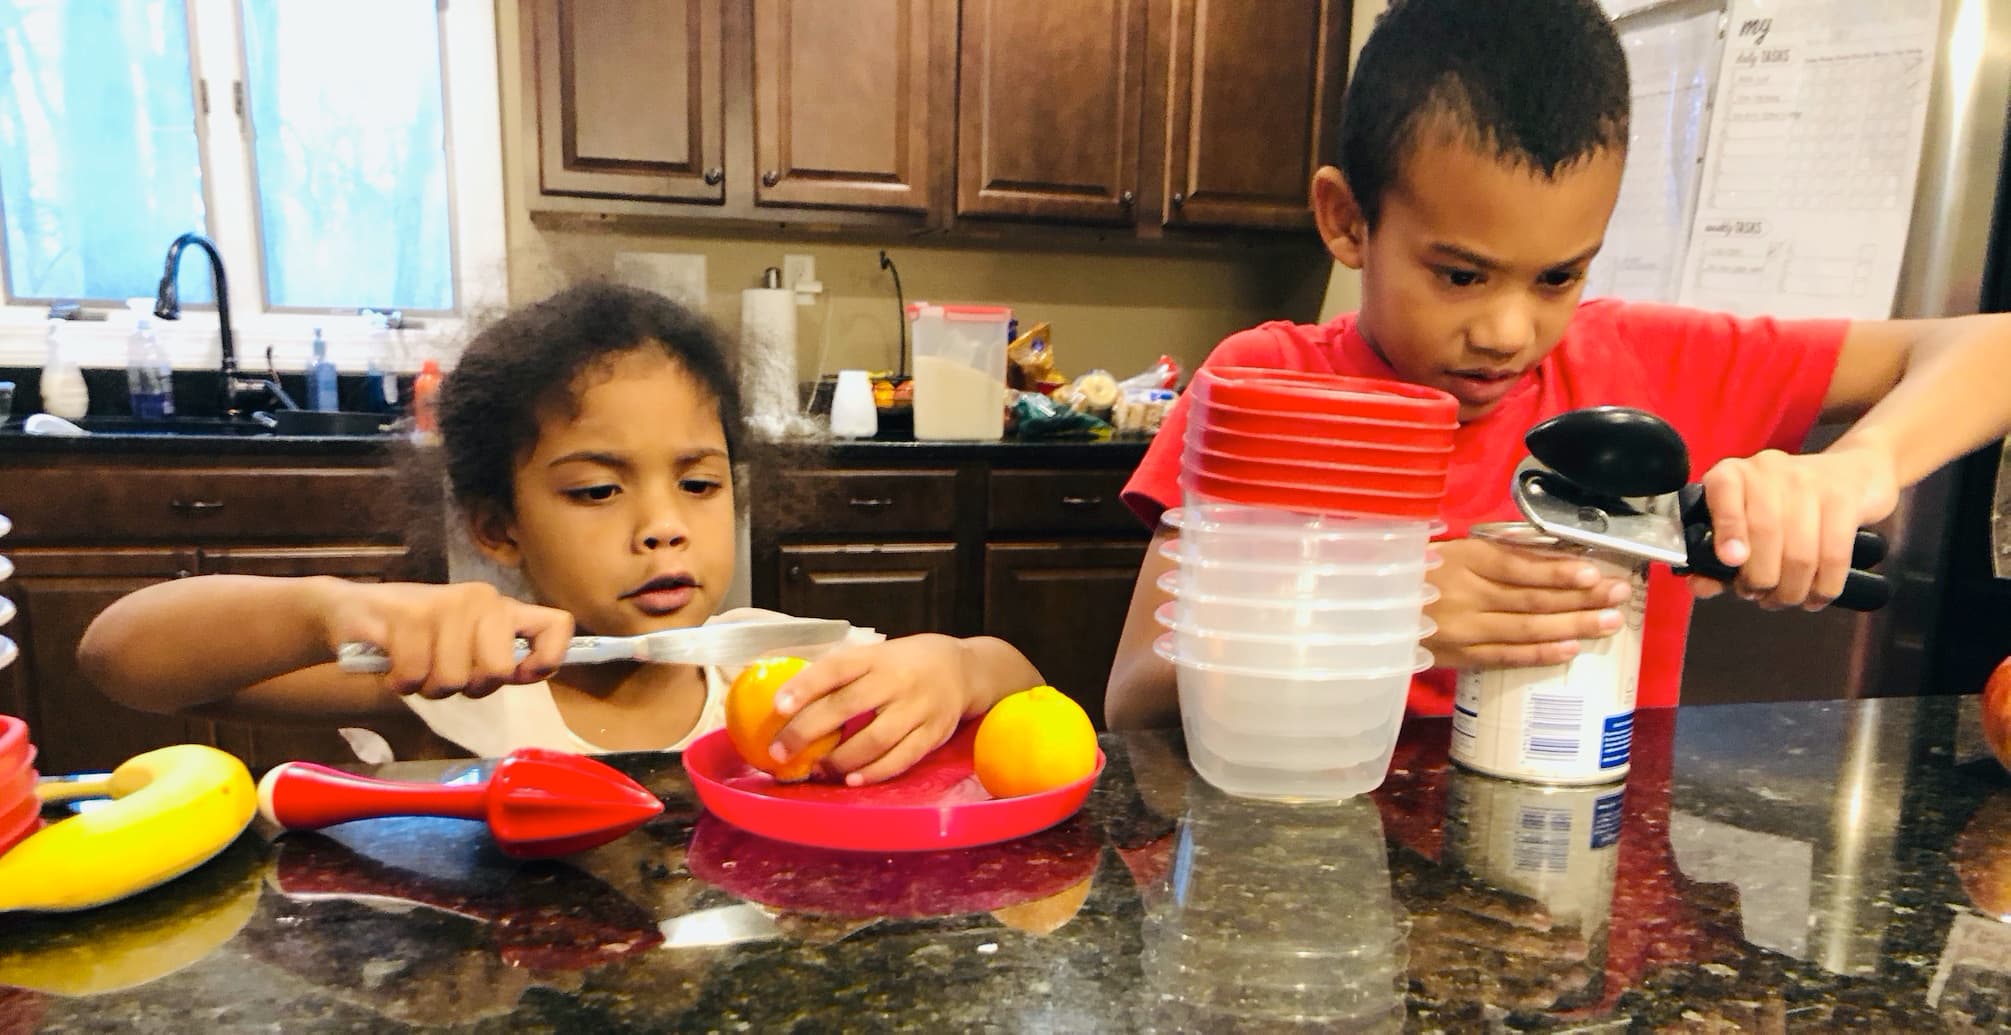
(1286, 391)
(935, 805)
(1337, 477)
(1318, 450)
(1321, 426)
(1312, 501)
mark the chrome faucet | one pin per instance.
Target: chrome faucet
(236, 389)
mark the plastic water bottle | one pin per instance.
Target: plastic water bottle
(150, 377)
(321, 392)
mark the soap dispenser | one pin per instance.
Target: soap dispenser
(321, 389)
(63, 391)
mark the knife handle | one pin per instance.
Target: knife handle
(1862, 590)
(370, 658)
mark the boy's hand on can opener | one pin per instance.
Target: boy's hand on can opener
(447, 640)
(1789, 522)
(1502, 607)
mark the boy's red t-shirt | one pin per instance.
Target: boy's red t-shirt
(1731, 386)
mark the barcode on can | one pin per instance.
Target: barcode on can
(1553, 728)
(1542, 840)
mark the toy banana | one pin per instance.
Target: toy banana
(172, 810)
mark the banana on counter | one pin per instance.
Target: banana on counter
(171, 810)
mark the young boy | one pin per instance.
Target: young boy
(1481, 150)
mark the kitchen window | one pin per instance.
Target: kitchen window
(342, 154)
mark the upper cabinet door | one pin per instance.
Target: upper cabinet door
(1048, 114)
(1253, 92)
(629, 97)
(851, 104)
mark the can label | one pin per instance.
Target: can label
(1567, 724)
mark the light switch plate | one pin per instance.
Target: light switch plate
(799, 272)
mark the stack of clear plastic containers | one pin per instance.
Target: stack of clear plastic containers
(1298, 599)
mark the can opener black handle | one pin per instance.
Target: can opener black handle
(1862, 590)
(1623, 470)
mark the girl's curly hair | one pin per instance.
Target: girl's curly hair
(533, 358)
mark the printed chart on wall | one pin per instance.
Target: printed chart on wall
(1672, 60)
(1813, 152)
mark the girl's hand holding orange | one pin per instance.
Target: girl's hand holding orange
(917, 688)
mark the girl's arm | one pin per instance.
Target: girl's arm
(239, 646)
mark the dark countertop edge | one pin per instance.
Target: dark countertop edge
(1126, 451)
(195, 446)
(1116, 452)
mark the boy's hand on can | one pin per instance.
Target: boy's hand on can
(1503, 607)
(447, 640)
(1788, 523)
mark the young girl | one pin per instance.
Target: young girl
(589, 442)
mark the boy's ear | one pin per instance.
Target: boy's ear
(492, 534)
(1339, 217)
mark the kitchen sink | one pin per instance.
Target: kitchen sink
(287, 423)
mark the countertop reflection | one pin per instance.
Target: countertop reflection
(1763, 867)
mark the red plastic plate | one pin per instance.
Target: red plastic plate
(1312, 501)
(1259, 388)
(856, 885)
(935, 805)
(1320, 426)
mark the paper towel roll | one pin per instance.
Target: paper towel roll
(768, 359)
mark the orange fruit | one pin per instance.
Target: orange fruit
(1033, 741)
(752, 722)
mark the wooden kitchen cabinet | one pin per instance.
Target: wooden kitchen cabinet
(1253, 95)
(1176, 119)
(1063, 605)
(846, 102)
(1048, 114)
(897, 588)
(629, 97)
(89, 529)
(1029, 543)
(59, 592)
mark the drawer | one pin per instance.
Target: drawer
(869, 501)
(199, 505)
(1060, 501)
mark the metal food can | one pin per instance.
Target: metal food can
(1557, 847)
(1563, 724)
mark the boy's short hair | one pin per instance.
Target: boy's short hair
(1539, 83)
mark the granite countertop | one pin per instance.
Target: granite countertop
(1763, 867)
(1122, 452)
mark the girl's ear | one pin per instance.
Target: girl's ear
(493, 534)
(1338, 214)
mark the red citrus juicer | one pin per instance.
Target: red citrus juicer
(538, 803)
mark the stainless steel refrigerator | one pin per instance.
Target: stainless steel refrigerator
(1952, 607)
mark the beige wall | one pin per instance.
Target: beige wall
(1344, 286)
(1114, 311)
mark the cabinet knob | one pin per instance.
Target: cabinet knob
(796, 572)
(1127, 199)
(182, 573)
(195, 506)
(870, 504)
(714, 176)
(1179, 198)
(770, 178)
(1082, 502)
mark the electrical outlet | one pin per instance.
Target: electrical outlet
(798, 269)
